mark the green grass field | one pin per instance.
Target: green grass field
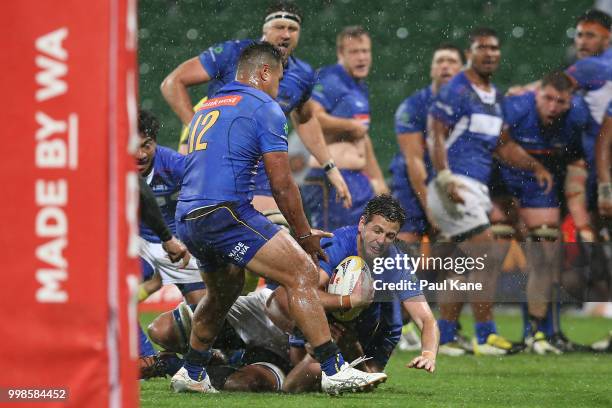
(577, 380)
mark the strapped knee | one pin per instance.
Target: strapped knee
(544, 233)
(276, 217)
(503, 231)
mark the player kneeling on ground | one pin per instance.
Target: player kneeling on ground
(373, 333)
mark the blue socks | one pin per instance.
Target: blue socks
(145, 347)
(195, 363)
(483, 330)
(448, 330)
(332, 365)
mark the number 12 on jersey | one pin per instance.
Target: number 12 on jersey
(201, 126)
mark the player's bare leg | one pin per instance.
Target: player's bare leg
(283, 261)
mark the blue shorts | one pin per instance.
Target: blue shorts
(401, 189)
(147, 269)
(262, 183)
(225, 233)
(524, 186)
(320, 199)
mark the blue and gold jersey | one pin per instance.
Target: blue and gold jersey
(227, 138)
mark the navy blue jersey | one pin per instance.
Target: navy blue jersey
(220, 62)
(554, 145)
(227, 138)
(342, 95)
(380, 324)
(475, 122)
(165, 181)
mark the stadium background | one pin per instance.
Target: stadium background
(536, 37)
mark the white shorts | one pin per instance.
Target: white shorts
(155, 256)
(248, 317)
(469, 216)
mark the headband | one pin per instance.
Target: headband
(283, 15)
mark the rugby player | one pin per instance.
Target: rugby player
(603, 151)
(255, 351)
(163, 169)
(342, 107)
(465, 123)
(548, 124)
(373, 335)
(217, 221)
(411, 168)
(217, 66)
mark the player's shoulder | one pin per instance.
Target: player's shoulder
(343, 237)
(168, 155)
(518, 104)
(458, 86)
(231, 45)
(303, 68)
(579, 109)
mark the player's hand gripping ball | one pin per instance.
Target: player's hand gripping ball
(352, 278)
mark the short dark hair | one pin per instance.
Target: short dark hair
(558, 80)
(284, 5)
(386, 206)
(451, 47)
(148, 124)
(595, 16)
(257, 54)
(482, 32)
(350, 32)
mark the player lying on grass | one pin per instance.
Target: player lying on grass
(376, 331)
(252, 354)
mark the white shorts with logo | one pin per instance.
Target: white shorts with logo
(170, 272)
(467, 217)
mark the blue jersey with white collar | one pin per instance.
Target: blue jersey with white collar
(165, 181)
(342, 95)
(379, 326)
(475, 122)
(227, 138)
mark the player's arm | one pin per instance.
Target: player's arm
(287, 196)
(372, 169)
(151, 215)
(412, 146)
(603, 150)
(174, 87)
(514, 155)
(575, 197)
(445, 181)
(309, 131)
(418, 309)
(150, 286)
(350, 129)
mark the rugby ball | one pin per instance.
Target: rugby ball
(351, 274)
